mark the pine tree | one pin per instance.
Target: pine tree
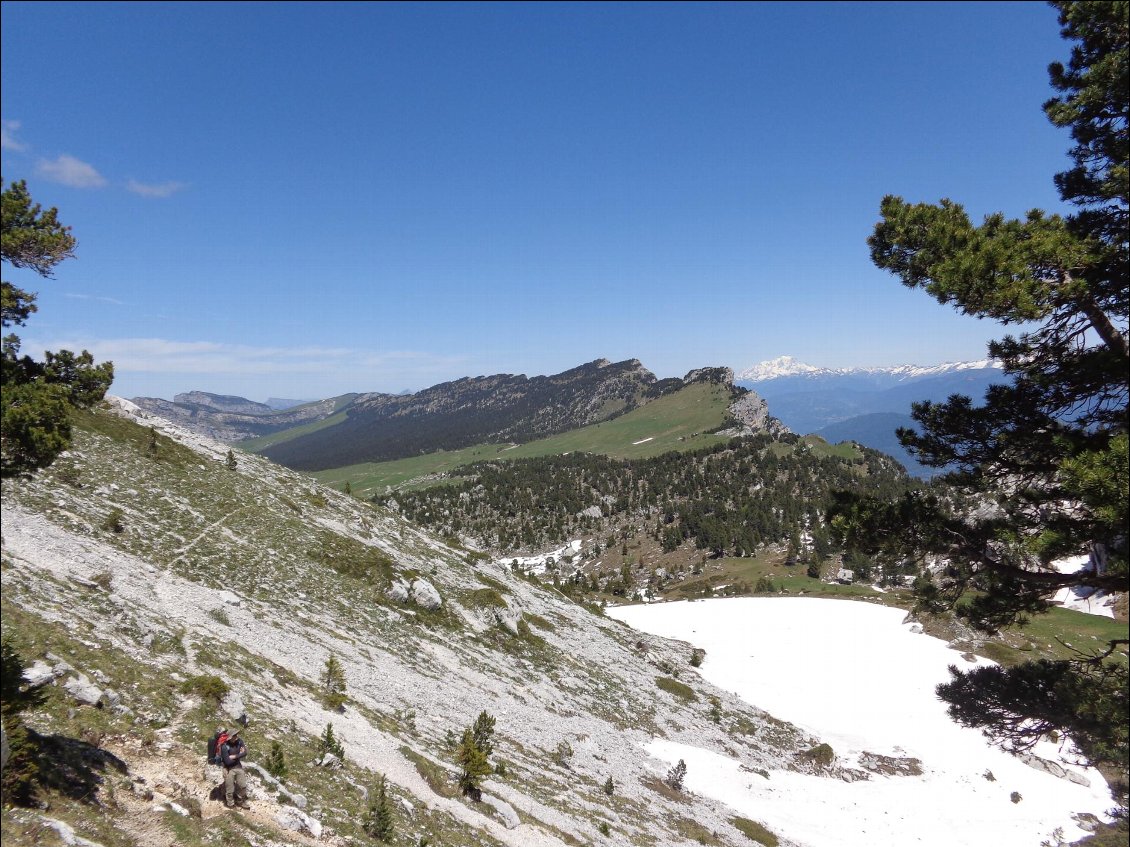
(1040, 470)
(483, 733)
(333, 684)
(230, 461)
(329, 743)
(276, 762)
(473, 762)
(378, 821)
(676, 775)
(37, 397)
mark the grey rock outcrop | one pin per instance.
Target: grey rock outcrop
(84, 691)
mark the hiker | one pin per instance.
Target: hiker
(232, 753)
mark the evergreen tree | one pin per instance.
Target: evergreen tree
(230, 461)
(473, 761)
(329, 743)
(483, 733)
(276, 762)
(676, 775)
(1040, 470)
(37, 397)
(333, 684)
(378, 822)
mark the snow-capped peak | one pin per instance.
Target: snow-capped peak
(789, 366)
(781, 366)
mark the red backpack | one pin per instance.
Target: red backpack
(214, 744)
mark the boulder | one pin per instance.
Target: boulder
(398, 592)
(229, 598)
(84, 691)
(503, 811)
(232, 706)
(288, 817)
(38, 674)
(424, 594)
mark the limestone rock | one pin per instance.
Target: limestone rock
(84, 691)
(425, 595)
(503, 811)
(288, 817)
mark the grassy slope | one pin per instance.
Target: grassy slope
(255, 445)
(675, 422)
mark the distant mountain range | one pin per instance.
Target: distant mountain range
(378, 427)
(865, 405)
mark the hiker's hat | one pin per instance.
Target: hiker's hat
(233, 734)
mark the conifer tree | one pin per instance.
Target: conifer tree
(378, 821)
(333, 684)
(37, 397)
(329, 743)
(275, 762)
(1039, 472)
(473, 761)
(483, 733)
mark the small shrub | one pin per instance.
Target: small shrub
(1015, 797)
(563, 754)
(609, 786)
(604, 829)
(230, 462)
(989, 776)
(678, 689)
(697, 655)
(103, 579)
(114, 522)
(764, 586)
(822, 755)
(715, 710)
(206, 686)
(220, 616)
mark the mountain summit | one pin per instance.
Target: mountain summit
(784, 366)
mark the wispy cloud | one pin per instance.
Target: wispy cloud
(154, 189)
(8, 141)
(71, 171)
(212, 364)
(93, 297)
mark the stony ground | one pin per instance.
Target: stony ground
(259, 574)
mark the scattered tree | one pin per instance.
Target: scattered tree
(483, 733)
(676, 775)
(276, 762)
(378, 821)
(609, 787)
(474, 763)
(333, 684)
(37, 397)
(230, 461)
(1040, 471)
(329, 743)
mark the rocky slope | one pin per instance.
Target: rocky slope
(141, 570)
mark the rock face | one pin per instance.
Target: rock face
(752, 413)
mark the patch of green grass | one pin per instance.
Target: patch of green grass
(678, 689)
(754, 831)
(438, 779)
(484, 598)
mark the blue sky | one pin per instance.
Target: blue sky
(301, 200)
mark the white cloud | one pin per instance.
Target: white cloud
(71, 171)
(211, 366)
(8, 140)
(93, 297)
(156, 189)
